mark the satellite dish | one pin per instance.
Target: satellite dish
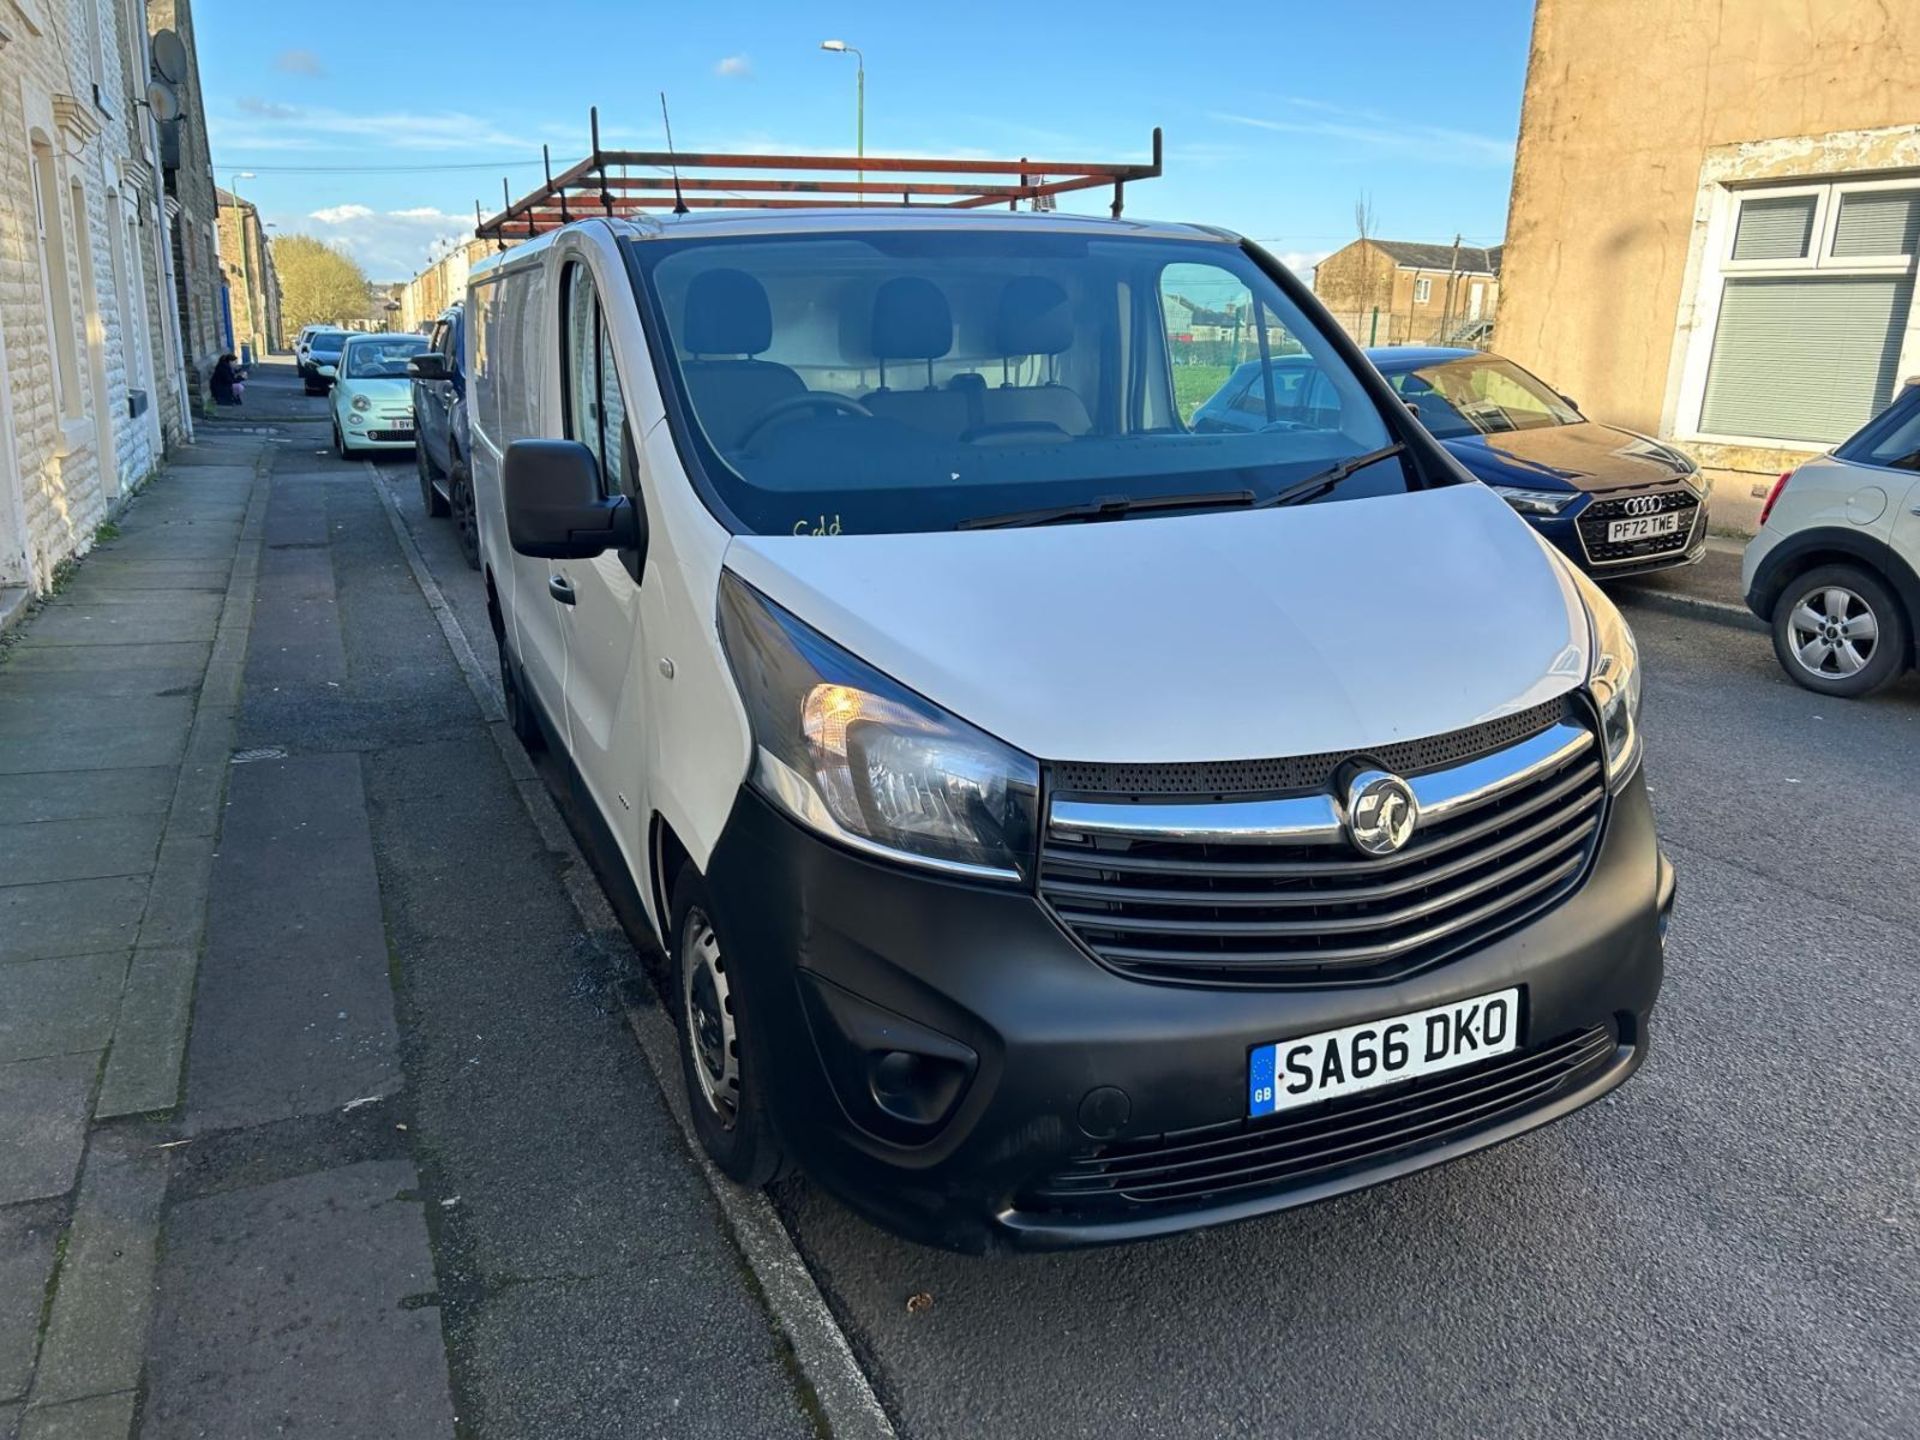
(163, 102)
(170, 55)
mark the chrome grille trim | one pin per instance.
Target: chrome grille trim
(1257, 892)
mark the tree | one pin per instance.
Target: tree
(318, 284)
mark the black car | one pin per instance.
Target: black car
(1614, 502)
(440, 428)
(322, 361)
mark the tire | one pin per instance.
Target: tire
(520, 717)
(1838, 630)
(340, 446)
(466, 523)
(720, 1055)
(429, 497)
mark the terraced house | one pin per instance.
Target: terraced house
(92, 374)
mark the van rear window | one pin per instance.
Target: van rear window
(907, 380)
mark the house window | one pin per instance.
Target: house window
(55, 283)
(1422, 290)
(1816, 293)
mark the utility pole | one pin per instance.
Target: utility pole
(1453, 278)
(840, 47)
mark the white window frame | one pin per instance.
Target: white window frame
(1423, 289)
(1720, 266)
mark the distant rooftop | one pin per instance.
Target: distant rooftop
(1473, 259)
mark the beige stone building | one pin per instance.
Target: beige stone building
(427, 294)
(1402, 292)
(253, 284)
(1716, 221)
(91, 390)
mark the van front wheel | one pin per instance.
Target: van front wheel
(719, 1056)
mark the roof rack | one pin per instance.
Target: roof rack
(744, 182)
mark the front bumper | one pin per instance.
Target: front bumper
(1564, 531)
(1033, 1056)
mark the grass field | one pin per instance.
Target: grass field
(1194, 385)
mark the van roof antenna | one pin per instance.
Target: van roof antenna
(679, 201)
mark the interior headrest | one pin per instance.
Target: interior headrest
(726, 314)
(1034, 318)
(911, 320)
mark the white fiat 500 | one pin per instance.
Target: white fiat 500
(1066, 821)
(372, 399)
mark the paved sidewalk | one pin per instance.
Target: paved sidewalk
(317, 1113)
(117, 701)
(1709, 590)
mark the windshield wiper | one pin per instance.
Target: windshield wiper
(1326, 479)
(1112, 507)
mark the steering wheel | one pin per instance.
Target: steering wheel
(812, 400)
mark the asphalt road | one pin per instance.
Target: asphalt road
(1728, 1246)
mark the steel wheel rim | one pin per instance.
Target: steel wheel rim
(707, 1011)
(1832, 632)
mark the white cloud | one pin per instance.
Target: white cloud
(734, 67)
(1301, 262)
(264, 109)
(390, 244)
(299, 62)
(285, 127)
(1370, 128)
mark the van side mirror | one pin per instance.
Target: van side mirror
(1570, 402)
(429, 365)
(555, 510)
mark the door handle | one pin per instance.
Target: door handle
(560, 588)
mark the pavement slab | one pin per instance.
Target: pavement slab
(79, 849)
(302, 1306)
(294, 1014)
(59, 1007)
(70, 917)
(43, 1124)
(28, 1241)
(85, 795)
(124, 620)
(102, 1417)
(141, 662)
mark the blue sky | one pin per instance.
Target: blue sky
(1277, 116)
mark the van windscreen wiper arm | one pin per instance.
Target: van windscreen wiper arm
(1326, 479)
(1111, 507)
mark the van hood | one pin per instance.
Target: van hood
(1229, 636)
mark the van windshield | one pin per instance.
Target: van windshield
(908, 380)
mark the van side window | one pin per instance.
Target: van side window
(596, 411)
(1214, 326)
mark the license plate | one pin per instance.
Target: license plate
(1643, 527)
(1292, 1073)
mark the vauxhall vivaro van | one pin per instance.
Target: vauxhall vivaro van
(1066, 820)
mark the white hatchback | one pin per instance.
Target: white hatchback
(1835, 569)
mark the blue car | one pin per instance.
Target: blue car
(1615, 502)
(440, 429)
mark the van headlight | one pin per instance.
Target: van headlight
(863, 760)
(1614, 680)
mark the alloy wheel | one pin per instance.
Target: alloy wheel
(466, 524)
(707, 1009)
(1832, 632)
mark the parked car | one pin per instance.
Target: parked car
(321, 359)
(1835, 567)
(372, 400)
(1614, 502)
(1064, 825)
(440, 429)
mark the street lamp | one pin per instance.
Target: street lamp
(840, 47)
(246, 261)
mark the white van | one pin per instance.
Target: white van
(1065, 822)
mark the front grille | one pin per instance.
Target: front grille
(1595, 518)
(1206, 911)
(390, 434)
(1240, 1159)
(1217, 778)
